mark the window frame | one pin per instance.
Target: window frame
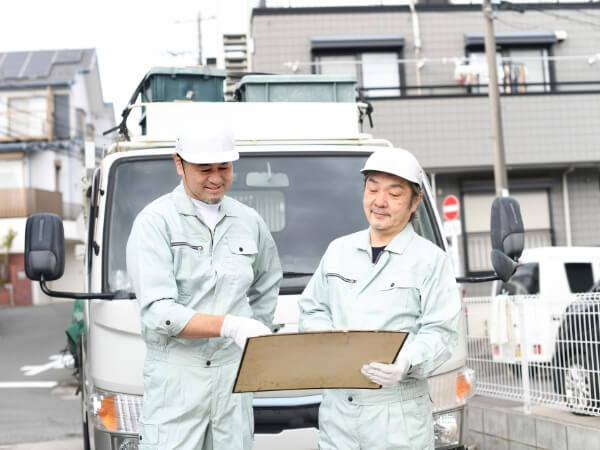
(516, 187)
(355, 47)
(548, 86)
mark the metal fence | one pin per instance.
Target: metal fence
(537, 350)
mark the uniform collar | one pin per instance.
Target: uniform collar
(398, 244)
(185, 206)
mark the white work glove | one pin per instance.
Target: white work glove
(388, 374)
(241, 328)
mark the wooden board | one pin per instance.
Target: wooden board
(328, 359)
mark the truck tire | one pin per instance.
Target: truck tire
(84, 421)
(578, 382)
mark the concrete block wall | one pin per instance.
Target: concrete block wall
(494, 424)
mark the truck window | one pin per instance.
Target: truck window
(580, 276)
(306, 200)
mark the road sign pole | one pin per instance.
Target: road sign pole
(450, 210)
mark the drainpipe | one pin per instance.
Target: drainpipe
(565, 188)
(417, 43)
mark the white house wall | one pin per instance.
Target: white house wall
(41, 170)
(12, 173)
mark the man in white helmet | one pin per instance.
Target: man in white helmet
(385, 278)
(206, 274)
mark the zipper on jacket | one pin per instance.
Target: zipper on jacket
(212, 237)
(337, 275)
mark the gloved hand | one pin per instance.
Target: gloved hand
(388, 374)
(241, 328)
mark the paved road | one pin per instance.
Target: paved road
(41, 407)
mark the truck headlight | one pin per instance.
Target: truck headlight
(120, 442)
(447, 428)
(116, 413)
(465, 385)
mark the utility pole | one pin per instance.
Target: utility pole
(199, 18)
(500, 178)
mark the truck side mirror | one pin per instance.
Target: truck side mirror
(45, 257)
(44, 247)
(507, 236)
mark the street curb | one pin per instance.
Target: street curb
(71, 444)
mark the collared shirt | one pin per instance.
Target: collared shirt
(411, 288)
(179, 267)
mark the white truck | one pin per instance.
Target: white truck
(299, 168)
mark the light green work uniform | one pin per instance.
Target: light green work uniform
(410, 288)
(179, 267)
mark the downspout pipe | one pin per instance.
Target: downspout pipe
(417, 43)
(565, 189)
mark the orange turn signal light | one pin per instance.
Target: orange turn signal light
(463, 386)
(108, 413)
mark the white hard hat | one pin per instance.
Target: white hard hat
(208, 145)
(395, 161)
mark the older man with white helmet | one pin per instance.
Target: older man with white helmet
(385, 278)
(206, 274)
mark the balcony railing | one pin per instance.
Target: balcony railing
(21, 202)
(478, 90)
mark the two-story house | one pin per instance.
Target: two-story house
(424, 70)
(50, 104)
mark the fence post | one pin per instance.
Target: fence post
(524, 359)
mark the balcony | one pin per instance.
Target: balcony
(23, 202)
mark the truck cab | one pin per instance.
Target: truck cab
(299, 168)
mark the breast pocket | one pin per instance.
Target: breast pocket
(241, 256)
(190, 257)
(400, 290)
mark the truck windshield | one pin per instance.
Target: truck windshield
(307, 201)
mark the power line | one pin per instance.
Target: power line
(45, 121)
(585, 13)
(567, 18)
(511, 25)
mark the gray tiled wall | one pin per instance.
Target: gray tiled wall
(285, 37)
(451, 135)
(455, 132)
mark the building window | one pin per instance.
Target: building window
(27, 117)
(372, 60)
(62, 124)
(80, 117)
(522, 62)
(535, 211)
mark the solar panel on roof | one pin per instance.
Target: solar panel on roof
(39, 65)
(12, 64)
(68, 56)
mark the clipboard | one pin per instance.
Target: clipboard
(314, 360)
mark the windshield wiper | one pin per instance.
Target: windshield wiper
(297, 274)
